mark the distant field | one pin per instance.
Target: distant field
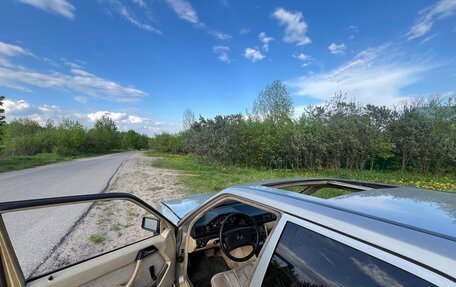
(201, 177)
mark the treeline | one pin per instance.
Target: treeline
(27, 137)
(417, 135)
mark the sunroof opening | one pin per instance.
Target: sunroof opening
(326, 188)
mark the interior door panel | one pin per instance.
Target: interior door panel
(116, 268)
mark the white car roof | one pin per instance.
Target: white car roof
(410, 223)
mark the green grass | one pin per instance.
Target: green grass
(21, 162)
(115, 227)
(10, 163)
(202, 177)
(96, 238)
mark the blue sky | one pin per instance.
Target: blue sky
(144, 62)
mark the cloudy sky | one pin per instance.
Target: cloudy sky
(144, 62)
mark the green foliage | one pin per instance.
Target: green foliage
(2, 118)
(188, 119)
(202, 176)
(274, 103)
(25, 138)
(132, 140)
(340, 134)
(167, 143)
(104, 136)
(69, 137)
(96, 238)
(26, 161)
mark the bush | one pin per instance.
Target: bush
(132, 140)
(169, 143)
(26, 137)
(69, 137)
(340, 134)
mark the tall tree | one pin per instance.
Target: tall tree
(104, 135)
(274, 103)
(2, 117)
(188, 119)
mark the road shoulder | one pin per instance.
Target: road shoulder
(110, 225)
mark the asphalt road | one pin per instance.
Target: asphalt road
(35, 233)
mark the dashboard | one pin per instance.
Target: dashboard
(208, 226)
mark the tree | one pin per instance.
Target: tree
(103, 136)
(2, 118)
(274, 103)
(69, 137)
(188, 119)
(133, 140)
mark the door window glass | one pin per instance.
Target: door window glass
(306, 258)
(50, 238)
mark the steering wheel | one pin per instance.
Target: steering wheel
(245, 234)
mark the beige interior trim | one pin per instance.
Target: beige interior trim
(193, 247)
(12, 269)
(239, 253)
(120, 276)
(92, 269)
(189, 222)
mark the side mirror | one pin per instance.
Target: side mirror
(151, 224)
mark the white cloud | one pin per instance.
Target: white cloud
(15, 109)
(253, 55)
(78, 80)
(21, 108)
(370, 54)
(295, 27)
(302, 57)
(81, 99)
(135, 119)
(218, 35)
(113, 115)
(439, 11)
(60, 7)
(140, 3)
(70, 64)
(353, 28)
(12, 106)
(118, 117)
(265, 40)
(368, 78)
(244, 31)
(222, 53)
(120, 8)
(337, 49)
(184, 10)
(10, 50)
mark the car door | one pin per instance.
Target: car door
(81, 254)
(300, 253)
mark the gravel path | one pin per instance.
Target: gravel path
(110, 225)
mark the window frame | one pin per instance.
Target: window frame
(31, 204)
(389, 258)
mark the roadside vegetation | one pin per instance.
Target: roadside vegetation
(96, 238)
(200, 176)
(25, 143)
(411, 144)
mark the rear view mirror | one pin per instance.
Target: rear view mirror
(151, 224)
